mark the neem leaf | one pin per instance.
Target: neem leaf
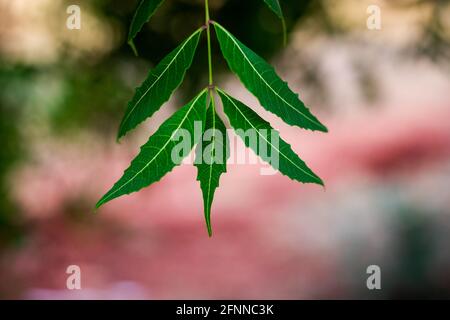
(143, 13)
(155, 159)
(211, 160)
(274, 5)
(160, 84)
(242, 118)
(260, 79)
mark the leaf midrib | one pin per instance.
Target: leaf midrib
(162, 73)
(130, 38)
(246, 119)
(246, 58)
(211, 163)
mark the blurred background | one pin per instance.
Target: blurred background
(384, 95)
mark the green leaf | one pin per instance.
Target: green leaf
(160, 84)
(243, 118)
(260, 79)
(274, 5)
(155, 159)
(211, 160)
(144, 12)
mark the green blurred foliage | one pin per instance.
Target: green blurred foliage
(91, 99)
(11, 150)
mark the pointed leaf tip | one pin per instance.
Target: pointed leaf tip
(161, 82)
(261, 79)
(143, 13)
(211, 159)
(155, 159)
(133, 47)
(242, 119)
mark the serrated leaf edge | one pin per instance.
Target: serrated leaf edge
(131, 37)
(319, 181)
(106, 198)
(209, 206)
(122, 134)
(264, 80)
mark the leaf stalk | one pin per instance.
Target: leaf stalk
(208, 35)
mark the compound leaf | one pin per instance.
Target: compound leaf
(243, 119)
(211, 160)
(156, 157)
(260, 79)
(143, 13)
(160, 84)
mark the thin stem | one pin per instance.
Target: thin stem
(208, 33)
